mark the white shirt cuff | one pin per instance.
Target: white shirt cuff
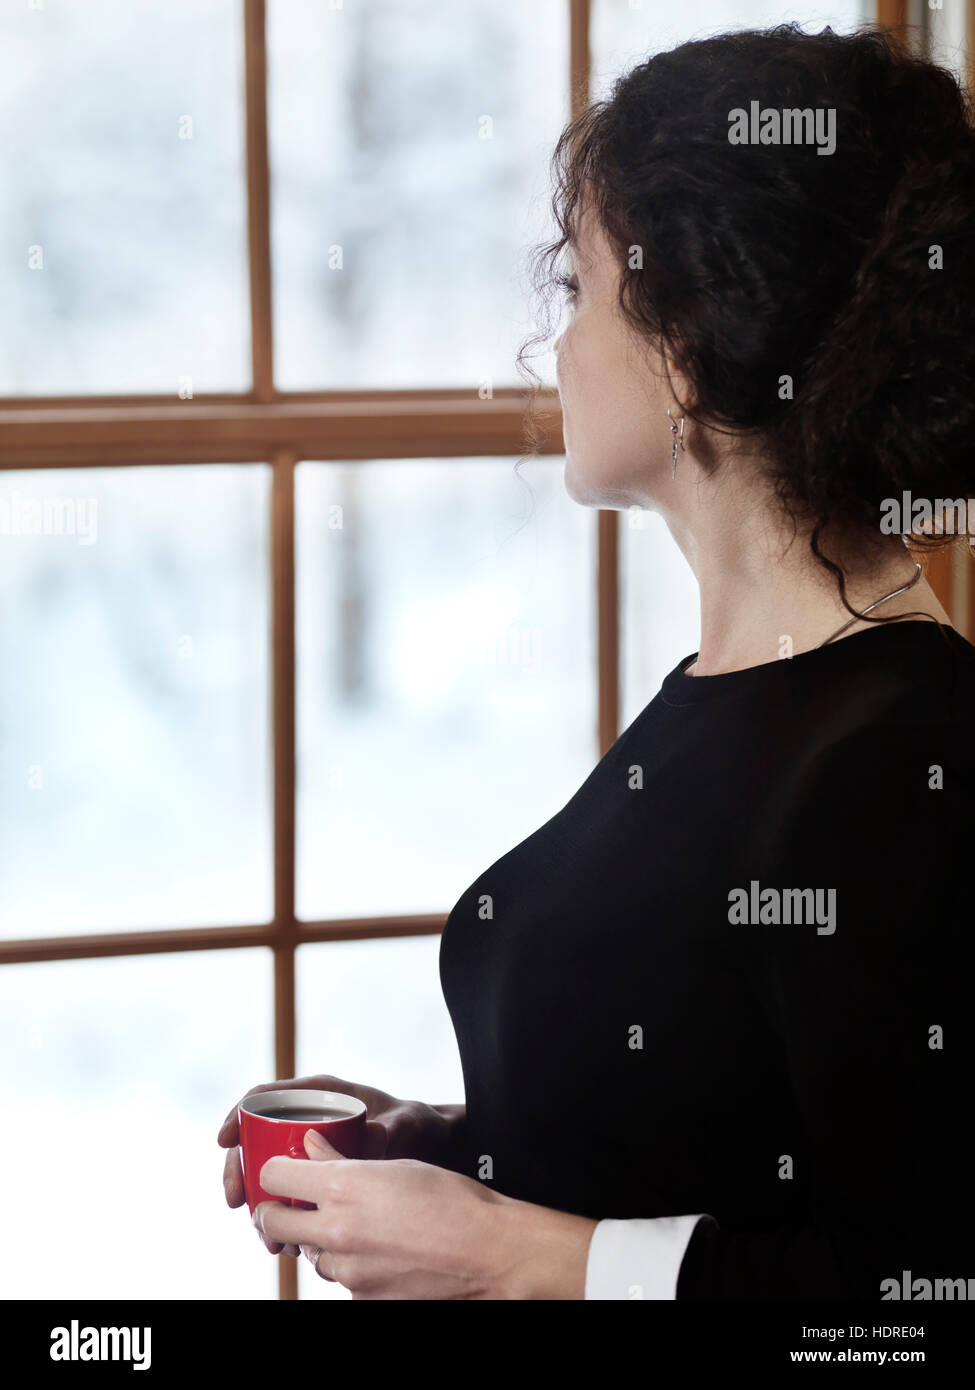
(638, 1257)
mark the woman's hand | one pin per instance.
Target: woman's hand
(412, 1230)
(394, 1129)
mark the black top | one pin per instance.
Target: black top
(637, 1040)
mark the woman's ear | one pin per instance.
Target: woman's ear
(683, 399)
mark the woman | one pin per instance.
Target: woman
(711, 1014)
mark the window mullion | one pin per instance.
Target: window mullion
(283, 745)
(258, 198)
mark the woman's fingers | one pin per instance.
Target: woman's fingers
(233, 1178)
(276, 1248)
(375, 1139)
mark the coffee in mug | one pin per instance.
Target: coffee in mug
(310, 1112)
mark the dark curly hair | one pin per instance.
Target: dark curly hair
(761, 261)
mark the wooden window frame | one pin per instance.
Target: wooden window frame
(269, 426)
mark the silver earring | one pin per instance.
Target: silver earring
(678, 439)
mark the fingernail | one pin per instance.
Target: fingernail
(256, 1218)
(315, 1139)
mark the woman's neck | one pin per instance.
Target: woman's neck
(764, 595)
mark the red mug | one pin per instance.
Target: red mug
(263, 1134)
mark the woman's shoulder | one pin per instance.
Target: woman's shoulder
(914, 695)
(893, 746)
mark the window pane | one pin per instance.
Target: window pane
(115, 1076)
(373, 1012)
(446, 673)
(625, 32)
(123, 219)
(414, 136)
(948, 37)
(134, 762)
(660, 608)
